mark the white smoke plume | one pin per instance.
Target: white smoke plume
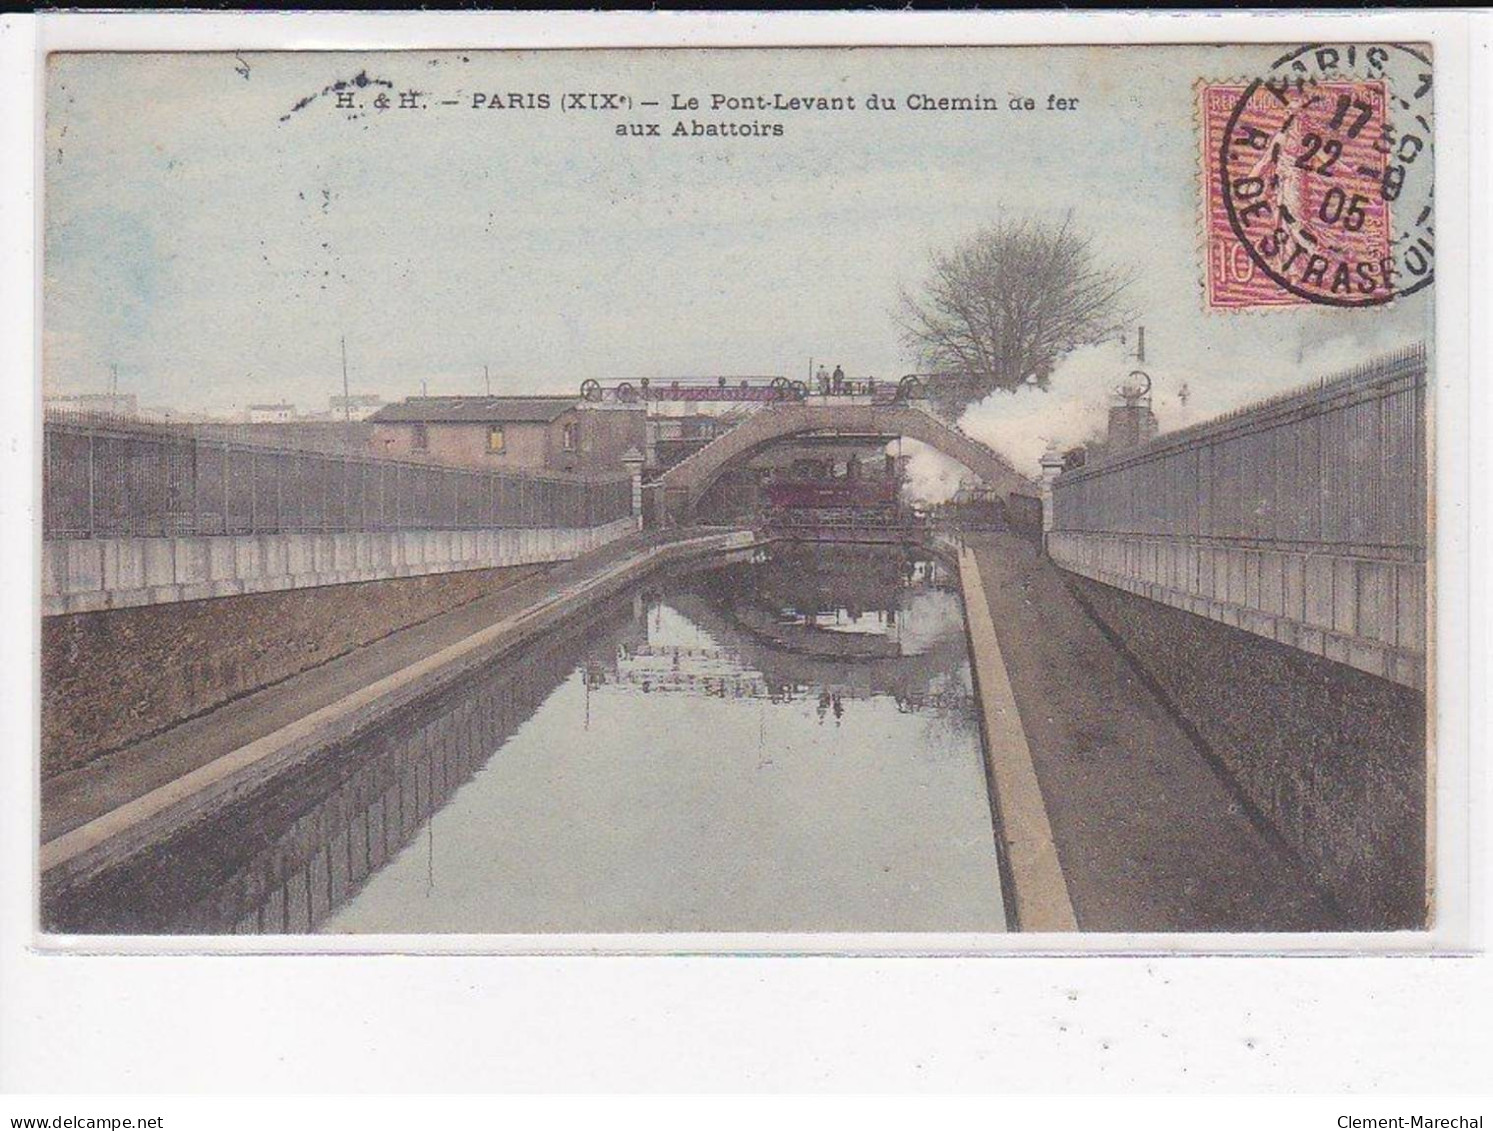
(1021, 425)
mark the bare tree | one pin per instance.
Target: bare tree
(1002, 308)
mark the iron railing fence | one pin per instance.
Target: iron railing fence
(1341, 464)
(106, 477)
(332, 436)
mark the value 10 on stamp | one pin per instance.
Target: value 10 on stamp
(1318, 180)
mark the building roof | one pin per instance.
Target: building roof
(475, 410)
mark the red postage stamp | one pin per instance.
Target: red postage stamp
(1298, 189)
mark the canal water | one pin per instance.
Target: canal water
(784, 744)
(790, 745)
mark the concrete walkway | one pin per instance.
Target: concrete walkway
(1149, 837)
(104, 791)
(1038, 895)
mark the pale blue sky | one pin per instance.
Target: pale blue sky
(216, 253)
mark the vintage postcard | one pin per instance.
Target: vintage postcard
(766, 493)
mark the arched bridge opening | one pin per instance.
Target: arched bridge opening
(683, 494)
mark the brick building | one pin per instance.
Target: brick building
(539, 433)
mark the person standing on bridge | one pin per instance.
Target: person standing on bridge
(822, 377)
(838, 380)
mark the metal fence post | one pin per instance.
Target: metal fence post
(196, 471)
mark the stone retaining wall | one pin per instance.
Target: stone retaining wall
(1333, 760)
(112, 677)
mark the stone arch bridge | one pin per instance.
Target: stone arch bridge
(681, 488)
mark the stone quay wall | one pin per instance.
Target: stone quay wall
(110, 678)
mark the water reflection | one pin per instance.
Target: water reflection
(784, 745)
(724, 761)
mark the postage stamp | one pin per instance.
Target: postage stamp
(1317, 180)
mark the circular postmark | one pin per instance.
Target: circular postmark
(1327, 174)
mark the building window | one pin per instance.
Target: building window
(568, 436)
(419, 438)
(494, 438)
